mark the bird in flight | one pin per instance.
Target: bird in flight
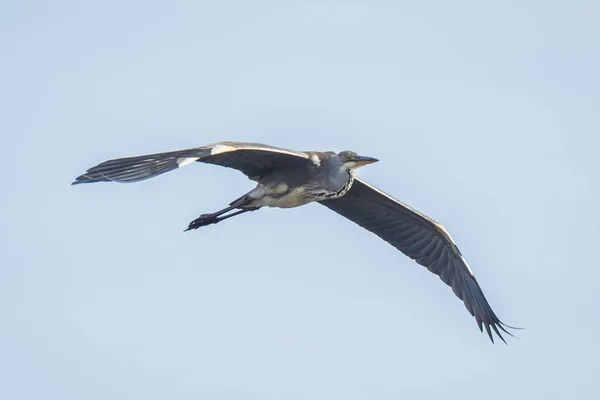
(287, 178)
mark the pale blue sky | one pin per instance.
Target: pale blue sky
(485, 117)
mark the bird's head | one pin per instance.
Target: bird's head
(350, 160)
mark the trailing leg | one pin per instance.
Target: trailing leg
(242, 205)
(208, 219)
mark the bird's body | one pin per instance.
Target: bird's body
(286, 179)
(325, 177)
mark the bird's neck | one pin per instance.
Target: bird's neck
(348, 183)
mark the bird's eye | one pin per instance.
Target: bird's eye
(347, 157)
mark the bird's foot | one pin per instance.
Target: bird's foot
(203, 220)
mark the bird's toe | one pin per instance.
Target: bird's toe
(203, 220)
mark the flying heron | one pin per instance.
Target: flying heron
(287, 178)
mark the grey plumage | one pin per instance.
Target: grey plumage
(252, 159)
(287, 178)
(420, 238)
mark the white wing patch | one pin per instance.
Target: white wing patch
(221, 148)
(315, 160)
(183, 161)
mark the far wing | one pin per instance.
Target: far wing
(252, 159)
(421, 239)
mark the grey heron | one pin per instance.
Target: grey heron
(287, 178)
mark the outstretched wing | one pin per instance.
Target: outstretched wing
(252, 159)
(421, 239)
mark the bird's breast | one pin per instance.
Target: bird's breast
(334, 193)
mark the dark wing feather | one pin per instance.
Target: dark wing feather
(252, 159)
(421, 239)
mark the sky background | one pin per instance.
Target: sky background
(484, 116)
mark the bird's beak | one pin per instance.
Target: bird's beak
(362, 160)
